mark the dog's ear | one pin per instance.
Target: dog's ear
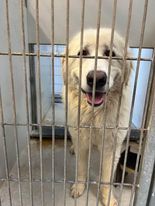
(63, 69)
(128, 68)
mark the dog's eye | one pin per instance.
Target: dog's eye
(107, 53)
(84, 52)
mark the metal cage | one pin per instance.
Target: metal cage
(142, 187)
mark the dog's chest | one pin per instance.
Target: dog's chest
(96, 118)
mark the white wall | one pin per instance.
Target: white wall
(90, 19)
(5, 82)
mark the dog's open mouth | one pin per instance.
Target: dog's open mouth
(97, 100)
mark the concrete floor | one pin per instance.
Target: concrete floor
(47, 173)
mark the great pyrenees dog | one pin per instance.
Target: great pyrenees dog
(107, 94)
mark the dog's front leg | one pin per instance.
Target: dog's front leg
(81, 153)
(106, 176)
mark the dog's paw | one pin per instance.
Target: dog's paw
(105, 197)
(77, 190)
(113, 202)
(71, 150)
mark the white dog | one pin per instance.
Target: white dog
(105, 94)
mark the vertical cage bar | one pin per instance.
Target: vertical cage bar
(96, 49)
(94, 83)
(26, 98)
(150, 91)
(119, 104)
(13, 102)
(151, 198)
(39, 101)
(88, 166)
(148, 160)
(109, 70)
(5, 150)
(53, 104)
(66, 97)
(79, 96)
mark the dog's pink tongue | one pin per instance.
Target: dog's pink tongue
(97, 100)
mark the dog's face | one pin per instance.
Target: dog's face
(102, 86)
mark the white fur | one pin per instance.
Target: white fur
(113, 137)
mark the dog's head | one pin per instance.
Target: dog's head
(102, 69)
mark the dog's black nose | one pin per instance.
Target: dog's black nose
(101, 78)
